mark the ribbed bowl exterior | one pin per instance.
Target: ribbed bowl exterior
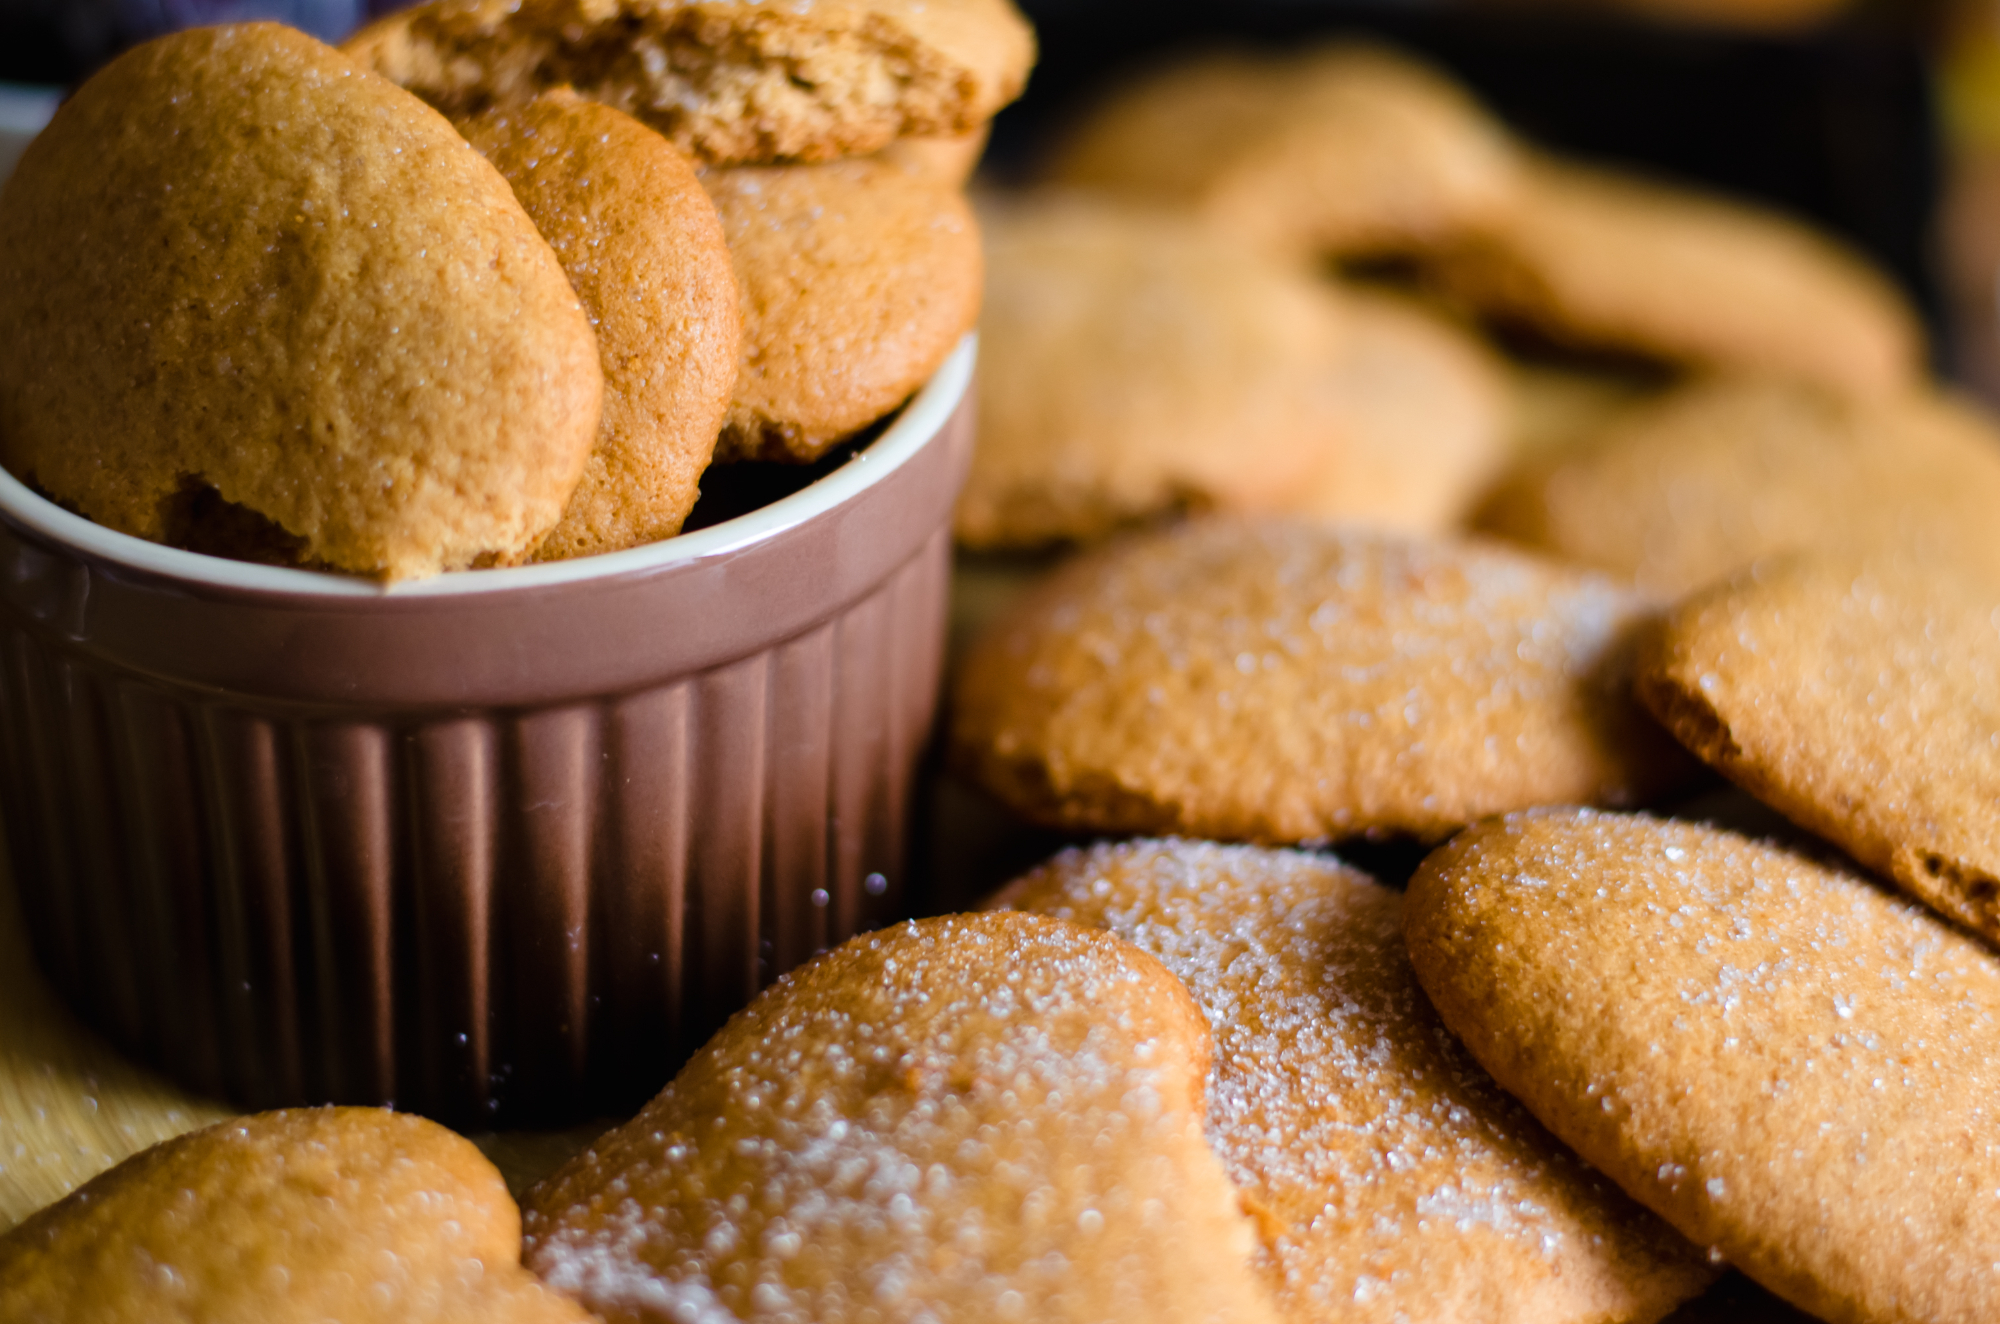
(507, 858)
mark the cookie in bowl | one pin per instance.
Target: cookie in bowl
(644, 249)
(239, 276)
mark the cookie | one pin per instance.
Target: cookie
(976, 1117)
(1594, 259)
(1864, 703)
(946, 160)
(1131, 364)
(1785, 1062)
(1286, 681)
(858, 279)
(1422, 419)
(353, 1214)
(1348, 149)
(235, 267)
(1686, 489)
(729, 81)
(644, 250)
(1389, 1177)
(1553, 406)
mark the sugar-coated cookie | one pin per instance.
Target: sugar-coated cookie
(1390, 1178)
(642, 246)
(980, 1117)
(299, 1217)
(234, 264)
(1132, 363)
(1285, 681)
(1422, 417)
(1346, 149)
(730, 81)
(858, 278)
(1864, 703)
(1785, 1061)
(1689, 487)
(1602, 260)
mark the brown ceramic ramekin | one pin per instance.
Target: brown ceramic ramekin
(501, 844)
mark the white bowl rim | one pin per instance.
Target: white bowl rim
(920, 420)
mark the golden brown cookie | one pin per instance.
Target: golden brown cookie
(1422, 417)
(1132, 363)
(1390, 1178)
(1690, 487)
(1601, 260)
(1784, 1061)
(351, 1214)
(1349, 149)
(729, 81)
(1864, 703)
(1553, 406)
(946, 160)
(1285, 681)
(641, 244)
(858, 279)
(981, 1117)
(235, 265)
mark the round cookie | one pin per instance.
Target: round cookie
(1600, 260)
(1863, 703)
(1349, 149)
(1285, 681)
(354, 1214)
(235, 265)
(643, 248)
(1787, 1063)
(1690, 487)
(1390, 1178)
(1423, 417)
(1132, 363)
(977, 1117)
(1552, 407)
(857, 279)
(729, 81)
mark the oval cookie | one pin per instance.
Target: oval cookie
(1422, 416)
(858, 279)
(1781, 1059)
(354, 1214)
(1600, 260)
(1389, 1177)
(976, 1117)
(1350, 149)
(1689, 488)
(730, 81)
(1289, 681)
(1132, 363)
(236, 265)
(642, 245)
(1864, 703)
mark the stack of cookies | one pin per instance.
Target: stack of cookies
(260, 301)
